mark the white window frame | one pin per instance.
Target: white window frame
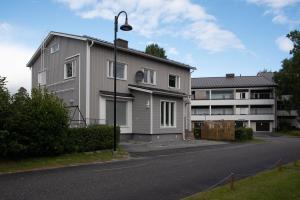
(52, 49)
(110, 70)
(164, 125)
(177, 84)
(42, 75)
(74, 62)
(149, 77)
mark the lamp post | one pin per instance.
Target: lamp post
(124, 27)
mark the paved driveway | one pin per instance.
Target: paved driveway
(170, 176)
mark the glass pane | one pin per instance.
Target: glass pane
(69, 72)
(152, 76)
(146, 75)
(121, 112)
(120, 70)
(167, 114)
(162, 109)
(172, 114)
(172, 81)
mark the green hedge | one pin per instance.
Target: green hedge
(197, 133)
(242, 134)
(95, 137)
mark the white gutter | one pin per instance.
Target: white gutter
(88, 81)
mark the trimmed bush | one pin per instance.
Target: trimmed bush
(242, 134)
(197, 133)
(95, 137)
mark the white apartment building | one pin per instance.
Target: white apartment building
(247, 100)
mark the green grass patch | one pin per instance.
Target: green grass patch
(291, 133)
(267, 185)
(60, 161)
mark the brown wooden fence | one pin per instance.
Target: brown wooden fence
(218, 130)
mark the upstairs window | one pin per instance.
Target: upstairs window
(121, 70)
(42, 78)
(69, 69)
(149, 76)
(54, 48)
(174, 81)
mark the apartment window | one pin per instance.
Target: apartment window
(174, 81)
(243, 95)
(54, 48)
(42, 78)
(69, 69)
(167, 114)
(149, 76)
(121, 70)
(121, 115)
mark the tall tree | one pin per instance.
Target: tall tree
(155, 50)
(288, 77)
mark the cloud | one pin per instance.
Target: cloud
(13, 59)
(174, 18)
(284, 44)
(172, 50)
(276, 8)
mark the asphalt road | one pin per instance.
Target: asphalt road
(171, 176)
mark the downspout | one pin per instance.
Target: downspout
(88, 81)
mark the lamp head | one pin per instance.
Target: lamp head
(126, 26)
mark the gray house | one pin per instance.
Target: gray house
(153, 99)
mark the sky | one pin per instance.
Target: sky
(215, 36)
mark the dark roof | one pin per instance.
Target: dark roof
(236, 82)
(159, 91)
(109, 93)
(107, 44)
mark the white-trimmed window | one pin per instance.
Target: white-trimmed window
(174, 81)
(167, 114)
(121, 70)
(69, 69)
(121, 112)
(42, 78)
(54, 48)
(149, 76)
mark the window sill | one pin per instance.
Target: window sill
(69, 78)
(165, 127)
(118, 79)
(173, 88)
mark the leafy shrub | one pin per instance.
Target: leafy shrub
(197, 133)
(36, 126)
(242, 134)
(94, 137)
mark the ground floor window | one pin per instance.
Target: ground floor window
(121, 112)
(167, 114)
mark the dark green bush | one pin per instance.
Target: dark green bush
(95, 137)
(242, 134)
(197, 133)
(36, 125)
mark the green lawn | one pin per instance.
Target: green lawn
(268, 185)
(59, 161)
(291, 133)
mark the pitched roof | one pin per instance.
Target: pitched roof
(237, 81)
(107, 44)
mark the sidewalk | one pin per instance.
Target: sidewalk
(134, 146)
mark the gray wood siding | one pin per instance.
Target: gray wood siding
(140, 113)
(156, 115)
(67, 89)
(99, 80)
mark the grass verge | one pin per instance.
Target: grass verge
(29, 164)
(254, 140)
(271, 184)
(291, 133)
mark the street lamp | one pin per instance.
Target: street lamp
(124, 27)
